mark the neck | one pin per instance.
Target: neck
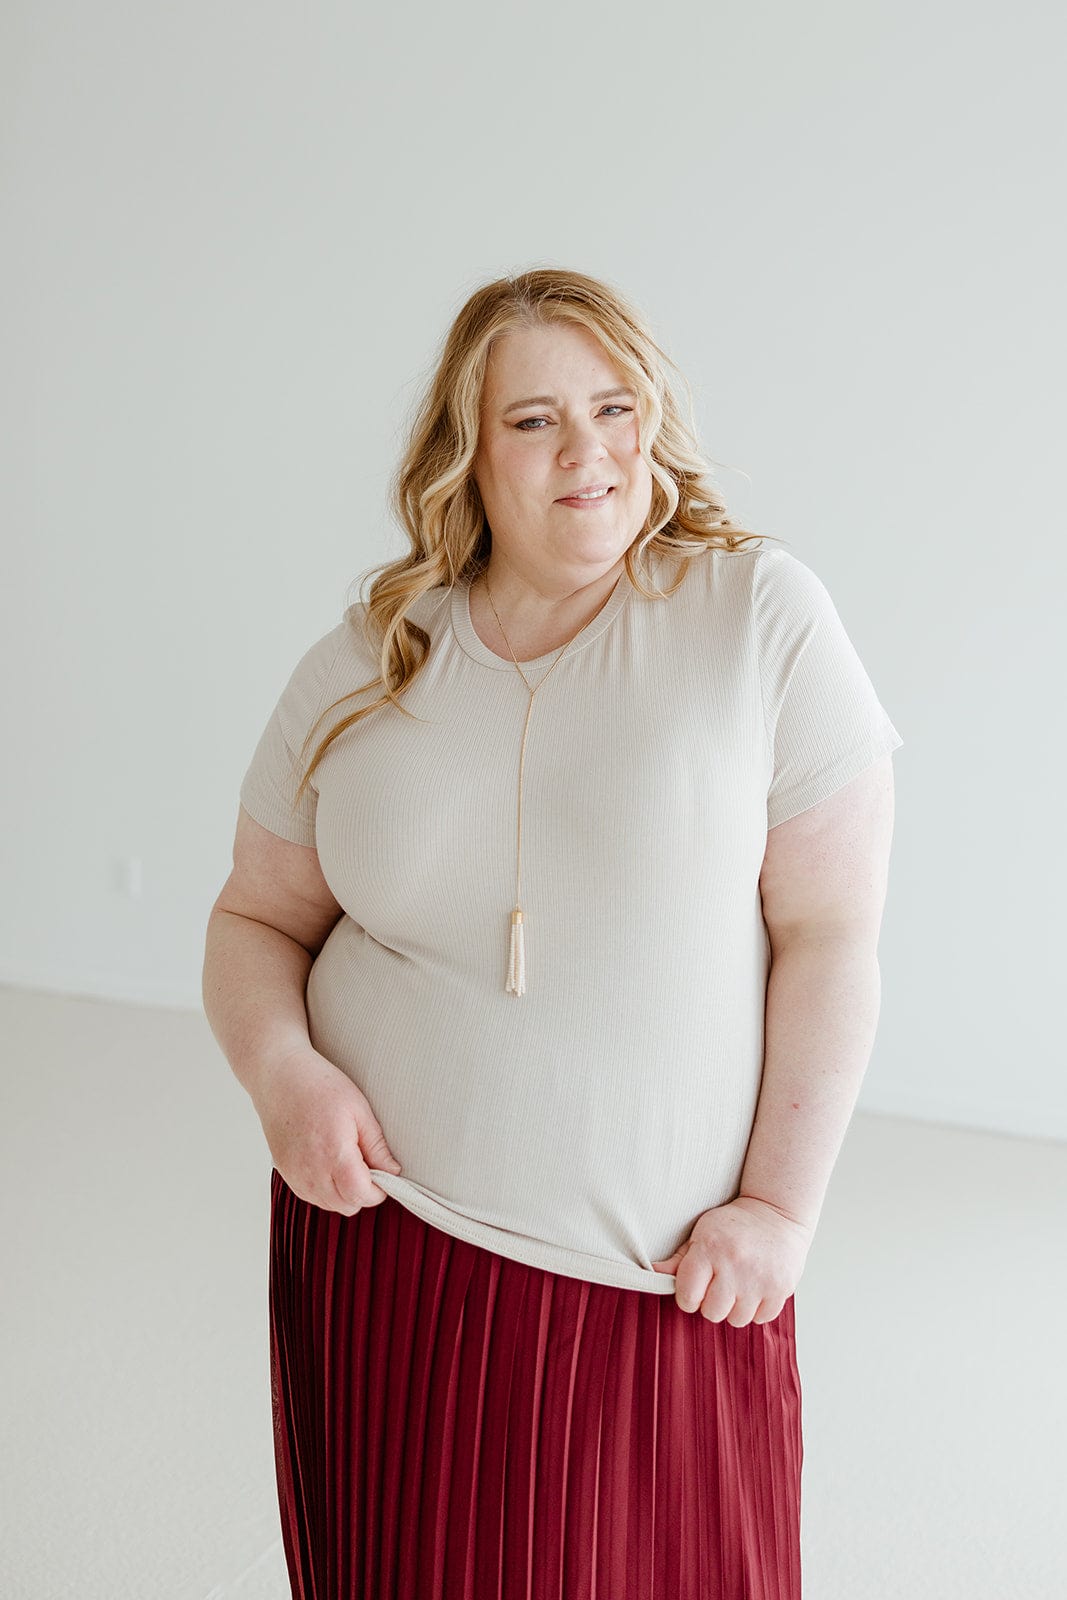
(511, 614)
(534, 598)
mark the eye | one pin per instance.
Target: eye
(522, 426)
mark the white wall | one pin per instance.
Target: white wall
(234, 237)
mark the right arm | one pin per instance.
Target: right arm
(268, 924)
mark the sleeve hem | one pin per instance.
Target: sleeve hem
(801, 797)
(277, 820)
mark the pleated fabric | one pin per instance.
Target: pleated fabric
(450, 1424)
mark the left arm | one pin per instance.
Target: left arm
(823, 887)
(823, 996)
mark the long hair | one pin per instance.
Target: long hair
(435, 498)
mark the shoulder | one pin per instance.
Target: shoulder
(785, 592)
(763, 598)
(426, 610)
(743, 579)
(778, 572)
(318, 661)
(330, 659)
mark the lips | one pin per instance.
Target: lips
(589, 489)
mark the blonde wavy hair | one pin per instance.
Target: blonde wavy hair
(435, 498)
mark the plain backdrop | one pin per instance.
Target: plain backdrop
(233, 238)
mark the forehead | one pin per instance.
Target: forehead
(557, 354)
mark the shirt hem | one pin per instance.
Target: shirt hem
(517, 1247)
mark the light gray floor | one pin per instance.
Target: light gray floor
(137, 1457)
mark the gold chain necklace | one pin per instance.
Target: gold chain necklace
(516, 979)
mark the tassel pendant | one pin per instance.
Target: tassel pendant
(516, 983)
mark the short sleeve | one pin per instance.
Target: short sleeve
(268, 788)
(825, 723)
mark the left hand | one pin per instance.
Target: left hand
(740, 1263)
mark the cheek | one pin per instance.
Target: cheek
(637, 467)
(525, 472)
(638, 464)
(512, 461)
(510, 474)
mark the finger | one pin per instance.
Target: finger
(691, 1290)
(376, 1152)
(743, 1312)
(768, 1310)
(719, 1300)
(345, 1206)
(354, 1185)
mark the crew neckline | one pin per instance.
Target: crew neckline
(478, 651)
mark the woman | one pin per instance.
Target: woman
(577, 833)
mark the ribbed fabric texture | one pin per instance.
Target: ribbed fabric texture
(583, 1126)
(451, 1424)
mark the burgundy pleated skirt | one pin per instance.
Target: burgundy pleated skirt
(450, 1424)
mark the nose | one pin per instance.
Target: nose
(580, 442)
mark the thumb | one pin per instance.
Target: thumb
(376, 1151)
(670, 1264)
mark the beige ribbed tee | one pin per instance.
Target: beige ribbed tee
(583, 1126)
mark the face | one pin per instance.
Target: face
(549, 428)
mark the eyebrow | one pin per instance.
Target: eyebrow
(550, 399)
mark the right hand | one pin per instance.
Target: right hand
(322, 1133)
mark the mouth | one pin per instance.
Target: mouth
(589, 497)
